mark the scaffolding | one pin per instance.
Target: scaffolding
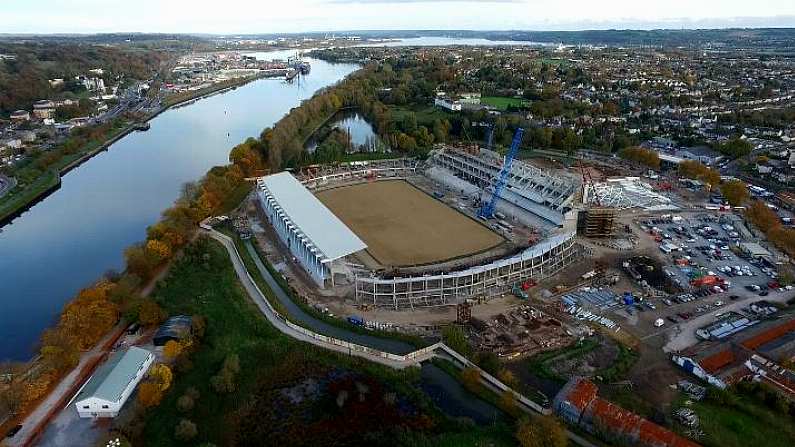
(597, 222)
(627, 192)
(483, 281)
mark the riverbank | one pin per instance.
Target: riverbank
(15, 203)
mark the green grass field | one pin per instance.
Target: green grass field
(503, 102)
(203, 282)
(747, 424)
(426, 115)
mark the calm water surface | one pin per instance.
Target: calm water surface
(79, 232)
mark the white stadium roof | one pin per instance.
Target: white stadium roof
(313, 220)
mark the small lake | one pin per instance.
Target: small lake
(363, 137)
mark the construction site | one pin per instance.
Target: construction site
(601, 274)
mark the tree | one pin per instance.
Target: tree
(471, 379)
(185, 403)
(454, 337)
(150, 313)
(149, 394)
(161, 375)
(735, 191)
(157, 251)
(541, 431)
(761, 216)
(695, 170)
(488, 361)
(185, 430)
(507, 402)
(507, 377)
(735, 148)
(172, 349)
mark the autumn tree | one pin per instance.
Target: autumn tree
(58, 350)
(149, 394)
(507, 377)
(507, 402)
(89, 316)
(541, 431)
(471, 379)
(157, 251)
(695, 170)
(172, 349)
(150, 313)
(138, 262)
(735, 191)
(161, 375)
(224, 381)
(641, 155)
(761, 216)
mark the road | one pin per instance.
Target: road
(683, 335)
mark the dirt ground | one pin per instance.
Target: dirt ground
(403, 226)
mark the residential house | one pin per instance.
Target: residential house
(43, 109)
(20, 116)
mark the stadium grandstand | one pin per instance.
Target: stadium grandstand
(314, 236)
(545, 195)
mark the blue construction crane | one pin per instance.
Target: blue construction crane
(487, 210)
(490, 136)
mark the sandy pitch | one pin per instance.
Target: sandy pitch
(403, 226)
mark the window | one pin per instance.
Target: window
(105, 406)
(85, 407)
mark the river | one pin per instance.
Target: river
(72, 237)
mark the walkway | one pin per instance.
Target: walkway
(300, 333)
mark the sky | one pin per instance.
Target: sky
(270, 16)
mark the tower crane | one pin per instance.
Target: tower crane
(487, 210)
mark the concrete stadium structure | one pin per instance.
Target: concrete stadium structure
(315, 237)
(307, 231)
(488, 280)
(541, 193)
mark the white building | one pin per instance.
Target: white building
(447, 103)
(112, 384)
(315, 237)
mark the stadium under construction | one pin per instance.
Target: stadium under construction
(430, 208)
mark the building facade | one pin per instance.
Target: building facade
(314, 236)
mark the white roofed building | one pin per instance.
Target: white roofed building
(315, 237)
(112, 384)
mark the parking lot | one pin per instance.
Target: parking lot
(709, 249)
(714, 275)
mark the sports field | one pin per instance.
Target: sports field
(403, 226)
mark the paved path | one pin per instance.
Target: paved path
(302, 334)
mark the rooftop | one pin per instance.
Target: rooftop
(111, 379)
(313, 220)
